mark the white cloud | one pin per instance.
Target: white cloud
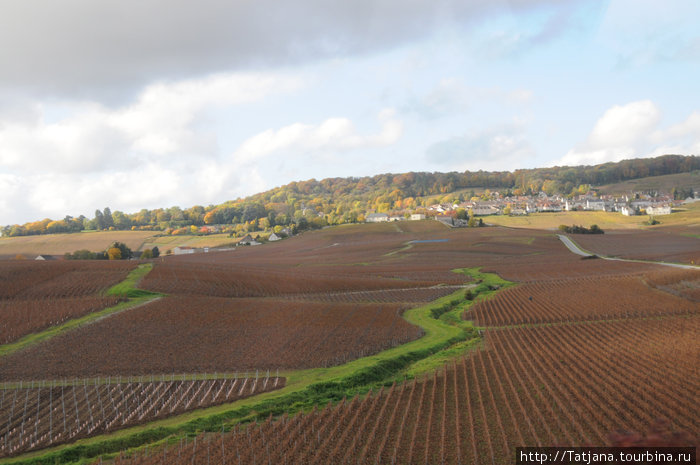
(634, 130)
(70, 158)
(160, 123)
(332, 136)
(622, 126)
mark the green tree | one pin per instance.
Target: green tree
(107, 219)
(120, 220)
(146, 254)
(155, 251)
(99, 220)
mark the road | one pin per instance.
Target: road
(578, 251)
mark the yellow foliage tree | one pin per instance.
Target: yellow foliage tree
(114, 253)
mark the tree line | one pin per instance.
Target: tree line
(313, 204)
(116, 251)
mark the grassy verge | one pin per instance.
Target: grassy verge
(446, 336)
(128, 287)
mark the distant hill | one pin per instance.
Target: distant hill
(664, 183)
(314, 204)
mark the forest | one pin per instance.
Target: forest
(313, 204)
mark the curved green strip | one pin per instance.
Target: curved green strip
(445, 336)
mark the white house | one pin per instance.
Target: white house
(376, 217)
(183, 250)
(659, 210)
(417, 217)
(628, 211)
(273, 237)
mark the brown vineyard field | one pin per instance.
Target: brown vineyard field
(569, 384)
(578, 349)
(37, 295)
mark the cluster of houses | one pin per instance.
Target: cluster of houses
(639, 204)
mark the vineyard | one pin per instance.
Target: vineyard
(578, 299)
(567, 384)
(37, 295)
(683, 283)
(672, 245)
(50, 413)
(22, 317)
(56, 279)
(206, 334)
(578, 349)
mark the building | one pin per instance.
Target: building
(417, 217)
(183, 250)
(628, 210)
(659, 210)
(273, 237)
(248, 240)
(445, 219)
(376, 218)
(485, 210)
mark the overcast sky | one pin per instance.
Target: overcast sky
(154, 103)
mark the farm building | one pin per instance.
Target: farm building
(417, 217)
(273, 237)
(248, 240)
(183, 250)
(376, 217)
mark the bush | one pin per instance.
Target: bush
(576, 229)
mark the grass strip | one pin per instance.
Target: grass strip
(446, 336)
(126, 289)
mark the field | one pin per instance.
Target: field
(165, 243)
(73, 411)
(59, 244)
(667, 244)
(38, 295)
(573, 351)
(582, 299)
(569, 384)
(653, 183)
(207, 334)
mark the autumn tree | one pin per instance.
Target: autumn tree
(114, 253)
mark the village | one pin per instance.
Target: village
(457, 214)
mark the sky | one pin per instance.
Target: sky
(156, 103)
